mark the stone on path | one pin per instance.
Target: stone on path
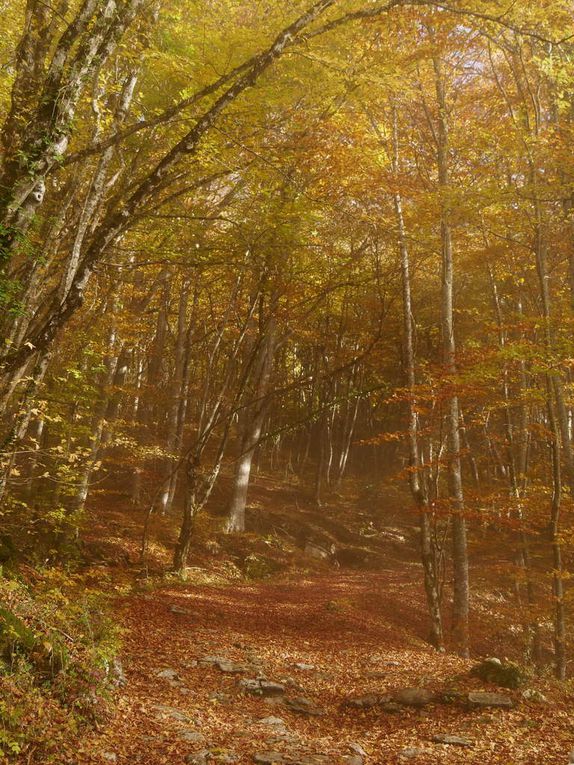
(220, 697)
(413, 697)
(211, 756)
(445, 738)
(169, 674)
(180, 611)
(392, 708)
(357, 749)
(191, 736)
(224, 665)
(175, 714)
(229, 668)
(504, 673)
(411, 753)
(274, 721)
(482, 699)
(304, 706)
(531, 694)
(269, 758)
(368, 701)
(266, 688)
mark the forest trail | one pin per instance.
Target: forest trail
(326, 639)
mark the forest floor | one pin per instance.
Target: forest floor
(327, 639)
(327, 636)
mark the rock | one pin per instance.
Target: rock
(109, 757)
(175, 714)
(206, 660)
(357, 749)
(224, 665)
(368, 701)
(274, 721)
(220, 698)
(269, 758)
(199, 758)
(413, 697)
(531, 694)
(316, 551)
(229, 668)
(180, 611)
(265, 688)
(452, 696)
(353, 759)
(169, 674)
(445, 738)
(411, 753)
(304, 706)
(506, 674)
(117, 674)
(481, 699)
(305, 667)
(392, 708)
(191, 736)
(289, 682)
(209, 756)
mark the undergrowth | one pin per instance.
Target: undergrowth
(57, 663)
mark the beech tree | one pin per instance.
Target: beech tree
(337, 246)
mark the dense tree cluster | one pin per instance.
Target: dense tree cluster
(334, 237)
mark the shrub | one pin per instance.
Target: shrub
(57, 652)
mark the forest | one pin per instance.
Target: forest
(286, 382)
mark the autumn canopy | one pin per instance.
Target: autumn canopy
(287, 313)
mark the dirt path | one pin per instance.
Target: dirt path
(356, 634)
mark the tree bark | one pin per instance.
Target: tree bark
(416, 476)
(254, 420)
(459, 533)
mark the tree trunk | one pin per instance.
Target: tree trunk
(416, 477)
(252, 434)
(459, 535)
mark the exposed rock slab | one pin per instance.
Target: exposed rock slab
(412, 753)
(413, 697)
(172, 712)
(265, 688)
(304, 706)
(368, 701)
(483, 700)
(446, 738)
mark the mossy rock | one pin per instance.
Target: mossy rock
(259, 567)
(505, 674)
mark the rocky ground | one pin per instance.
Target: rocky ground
(330, 670)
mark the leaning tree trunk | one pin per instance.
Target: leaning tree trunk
(44, 100)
